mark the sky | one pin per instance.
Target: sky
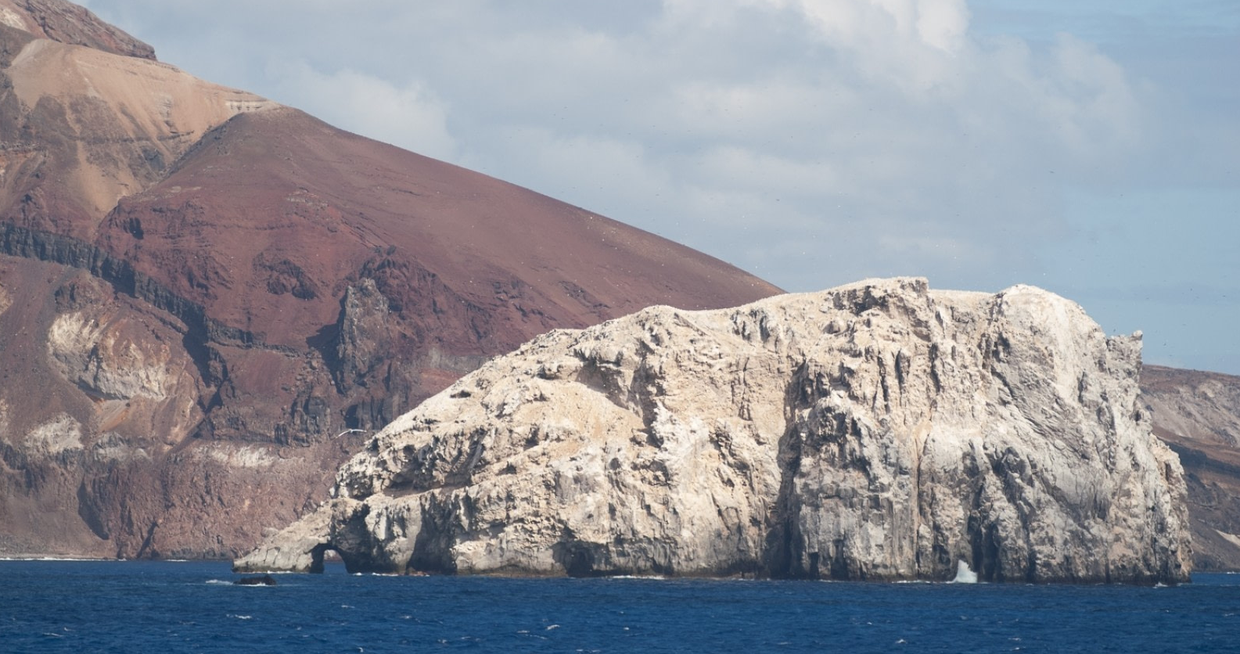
(1090, 147)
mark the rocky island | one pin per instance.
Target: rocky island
(207, 298)
(876, 431)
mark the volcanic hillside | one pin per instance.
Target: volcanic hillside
(1198, 415)
(208, 300)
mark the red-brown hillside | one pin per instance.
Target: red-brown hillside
(1198, 415)
(207, 300)
(308, 205)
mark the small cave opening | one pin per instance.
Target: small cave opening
(577, 558)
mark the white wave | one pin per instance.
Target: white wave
(52, 559)
(964, 574)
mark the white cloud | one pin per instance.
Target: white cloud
(937, 23)
(407, 116)
(852, 118)
(943, 23)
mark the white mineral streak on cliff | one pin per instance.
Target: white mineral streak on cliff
(54, 438)
(12, 19)
(873, 431)
(97, 357)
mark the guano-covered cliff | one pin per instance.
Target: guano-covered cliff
(874, 431)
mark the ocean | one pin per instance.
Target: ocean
(91, 606)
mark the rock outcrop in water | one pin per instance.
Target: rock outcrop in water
(874, 431)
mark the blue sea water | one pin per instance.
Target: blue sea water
(85, 607)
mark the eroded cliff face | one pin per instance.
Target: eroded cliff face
(873, 431)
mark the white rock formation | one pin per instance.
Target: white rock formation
(102, 358)
(873, 431)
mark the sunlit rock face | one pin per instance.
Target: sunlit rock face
(874, 431)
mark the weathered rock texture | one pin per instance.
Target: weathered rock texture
(873, 431)
(208, 301)
(1198, 415)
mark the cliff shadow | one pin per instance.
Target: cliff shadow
(783, 549)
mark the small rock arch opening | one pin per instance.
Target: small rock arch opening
(325, 558)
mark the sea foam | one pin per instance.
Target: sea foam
(964, 574)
